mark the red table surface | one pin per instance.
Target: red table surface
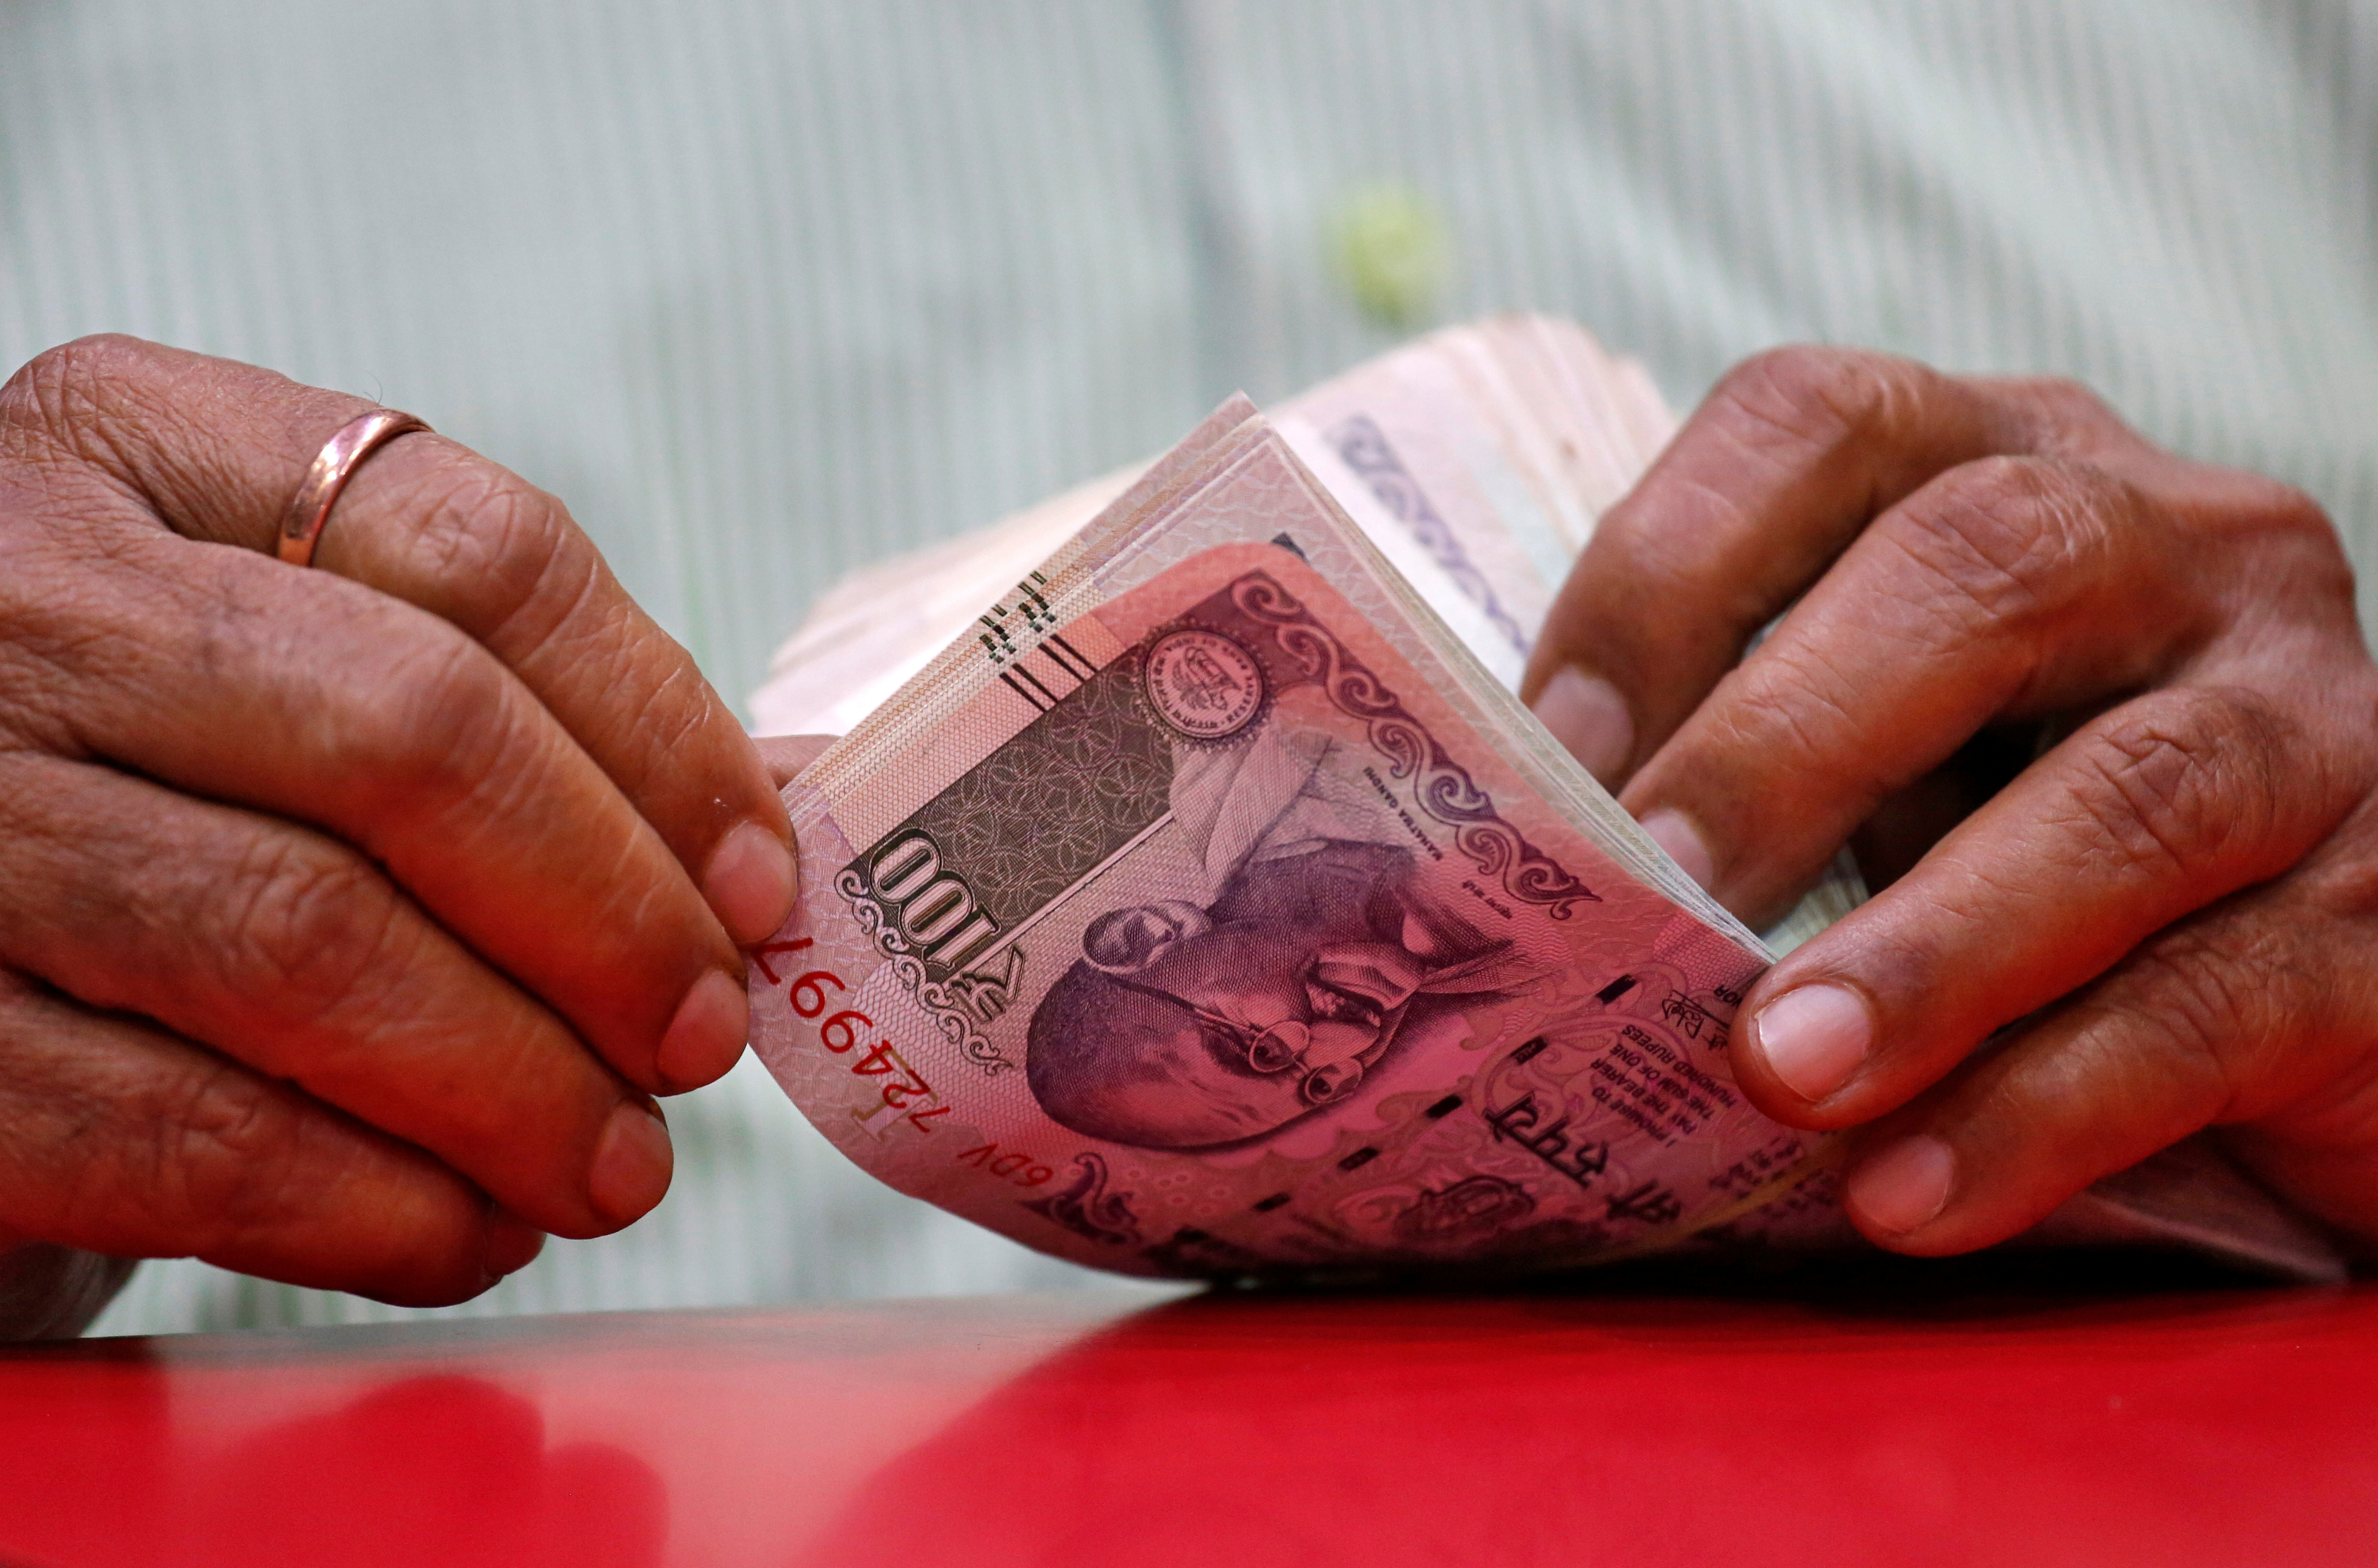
(2213, 1426)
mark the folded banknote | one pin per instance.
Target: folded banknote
(1207, 904)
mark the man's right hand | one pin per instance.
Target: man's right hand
(350, 915)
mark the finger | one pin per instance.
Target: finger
(786, 755)
(1774, 474)
(225, 675)
(2004, 589)
(121, 1139)
(2230, 1017)
(443, 529)
(218, 448)
(2158, 808)
(295, 955)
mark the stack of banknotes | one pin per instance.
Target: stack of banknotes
(1191, 895)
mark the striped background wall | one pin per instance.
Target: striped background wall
(767, 290)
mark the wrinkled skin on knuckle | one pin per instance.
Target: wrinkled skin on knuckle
(1794, 710)
(2338, 882)
(226, 1153)
(241, 620)
(2066, 418)
(2319, 943)
(672, 723)
(35, 704)
(2207, 1005)
(485, 534)
(661, 727)
(2179, 778)
(435, 730)
(1806, 396)
(2287, 972)
(69, 1109)
(241, 1160)
(62, 388)
(68, 529)
(89, 399)
(74, 635)
(2009, 541)
(316, 924)
(2317, 1088)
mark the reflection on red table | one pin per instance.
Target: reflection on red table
(2214, 1427)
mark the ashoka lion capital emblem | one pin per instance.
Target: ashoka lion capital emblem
(1202, 683)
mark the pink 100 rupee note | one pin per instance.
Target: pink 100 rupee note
(1226, 945)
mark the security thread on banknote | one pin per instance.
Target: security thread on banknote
(1209, 910)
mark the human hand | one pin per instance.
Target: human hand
(350, 915)
(2101, 726)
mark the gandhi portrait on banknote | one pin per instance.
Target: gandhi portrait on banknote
(1222, 877)
(1313, 945)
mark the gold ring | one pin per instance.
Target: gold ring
(340, 456)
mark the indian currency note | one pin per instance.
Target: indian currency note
(1208, 933)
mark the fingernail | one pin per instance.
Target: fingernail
(707, 1034)
(1587, 715)
(512, 1243)
(632, 1162)
(1904, 1187)
(1672, 833)
(751, 883)
(1814, 1038)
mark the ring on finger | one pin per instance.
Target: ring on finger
(333, 465)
